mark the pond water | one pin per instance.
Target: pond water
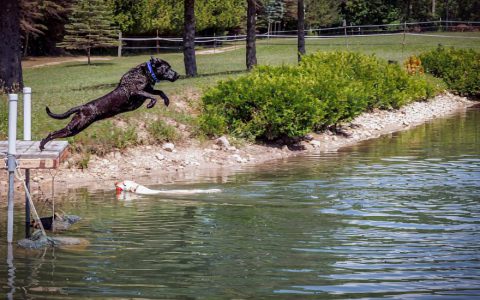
(396, 217)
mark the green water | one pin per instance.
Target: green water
(395, 218)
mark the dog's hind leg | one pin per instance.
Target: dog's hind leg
(78, 123)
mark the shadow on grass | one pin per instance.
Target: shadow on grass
(93, 64)
(215, 74)
(182, 77)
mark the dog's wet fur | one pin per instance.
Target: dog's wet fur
(135, 87)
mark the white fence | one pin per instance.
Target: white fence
(342, 32)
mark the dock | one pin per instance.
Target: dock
(29, 155)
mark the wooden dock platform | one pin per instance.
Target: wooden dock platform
(30, 157)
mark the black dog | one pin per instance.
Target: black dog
(134, 88)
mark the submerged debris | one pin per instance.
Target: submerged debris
(39, 241)
(61, 222)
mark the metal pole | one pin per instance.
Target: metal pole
(12, 151)
(27, 136)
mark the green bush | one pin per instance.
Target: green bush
(459, 68)
(161, 131)
(326, 88)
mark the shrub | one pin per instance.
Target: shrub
(326, 88)
(161, 131)
(459, 68)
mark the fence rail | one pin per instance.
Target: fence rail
(345, 32)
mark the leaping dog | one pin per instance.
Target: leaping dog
(135, 87)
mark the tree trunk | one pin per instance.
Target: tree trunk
(434, 8)
(88, 55)
(251, 34)
(189, 39)
(301, 29)
(10, 47)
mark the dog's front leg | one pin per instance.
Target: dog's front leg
(147, 95)
(163, 96)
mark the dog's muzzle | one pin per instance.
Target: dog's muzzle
(173, 77)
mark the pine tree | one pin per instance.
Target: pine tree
(90, 26)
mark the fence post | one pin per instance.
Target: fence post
(11, 162)
(346, 34)
(27, 136)
(157, 43)
(119, 44)
(214, 42)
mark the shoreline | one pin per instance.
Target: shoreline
(192, 159)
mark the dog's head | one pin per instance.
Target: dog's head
(126, 186)
(163, 70)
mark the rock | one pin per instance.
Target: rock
(159, 156)
(315, 143)
(182, 127)
(308, 137)
(223, 142)
(239, 159)
(168, 147)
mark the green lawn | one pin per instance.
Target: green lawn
(70, 84)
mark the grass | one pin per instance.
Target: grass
(70, 84)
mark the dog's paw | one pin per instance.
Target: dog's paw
(152, 103)
(166, 101)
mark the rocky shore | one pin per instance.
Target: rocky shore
(167, 163)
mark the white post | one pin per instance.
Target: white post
(27, 136)
(12, 151)
(27, 114)
(12, 123)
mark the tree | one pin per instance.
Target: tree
(301, 29)
(251, 33)
(362, 12)
(38, 16)
(10, 52)
(189, 39)
(321, 13)
(90, 26)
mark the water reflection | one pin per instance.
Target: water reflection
(398, 217)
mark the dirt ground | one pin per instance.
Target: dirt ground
(37, 62)
(168, 163)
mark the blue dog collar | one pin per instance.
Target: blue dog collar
(149, 66)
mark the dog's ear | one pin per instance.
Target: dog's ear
(152, 59)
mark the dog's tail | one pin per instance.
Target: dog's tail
(61, 116)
